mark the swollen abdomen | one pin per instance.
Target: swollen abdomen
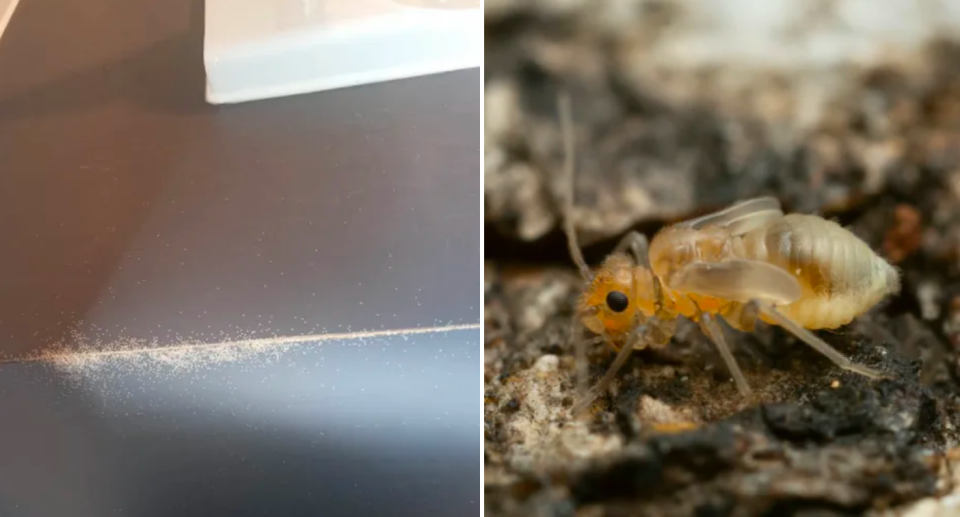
(840, 275)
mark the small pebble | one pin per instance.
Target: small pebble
(547, 364)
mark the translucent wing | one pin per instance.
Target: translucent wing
(737, 280)
(740, 217)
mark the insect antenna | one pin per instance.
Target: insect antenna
(569, 170)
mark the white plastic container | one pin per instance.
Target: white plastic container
(257, 49)
(6, 12)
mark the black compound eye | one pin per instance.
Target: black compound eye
(617, 301)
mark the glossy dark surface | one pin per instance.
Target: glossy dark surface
(389, 426)
(130, 208)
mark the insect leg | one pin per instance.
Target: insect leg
(742, 316)
(652, 333)
(580, 354)
(714, 331)
(818, 344)
(638, 246)
(658, 333)
(591, 394)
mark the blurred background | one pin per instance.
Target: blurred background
(845, 108)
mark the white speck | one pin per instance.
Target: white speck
(547, 363)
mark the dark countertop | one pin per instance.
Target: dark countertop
(129, 203)
(333, 430)
(132, 209)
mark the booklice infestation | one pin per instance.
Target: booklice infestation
(747, 262)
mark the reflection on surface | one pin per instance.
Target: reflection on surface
(378, 427)
(160, 217)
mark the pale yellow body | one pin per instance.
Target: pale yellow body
(812, 271)
(746, 262)
(839, 276)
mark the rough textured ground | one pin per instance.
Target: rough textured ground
(874, 143)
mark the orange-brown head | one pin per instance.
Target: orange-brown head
(620, 294)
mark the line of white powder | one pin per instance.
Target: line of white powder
(66, 355)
